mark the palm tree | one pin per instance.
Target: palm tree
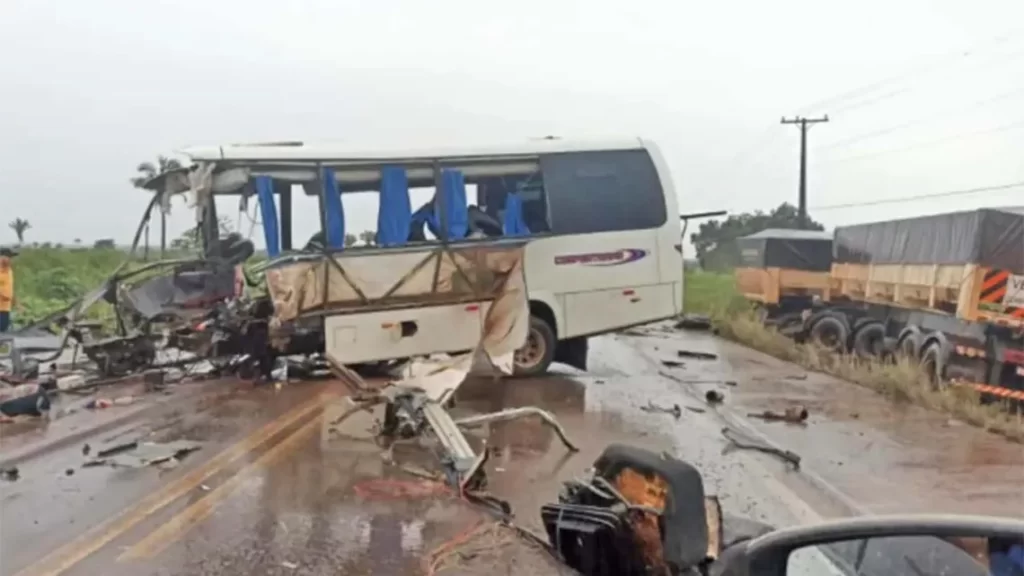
(20, 225)
(146, 172)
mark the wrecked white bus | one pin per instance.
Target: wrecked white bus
(596, 221)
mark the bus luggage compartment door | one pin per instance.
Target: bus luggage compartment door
(391, 334)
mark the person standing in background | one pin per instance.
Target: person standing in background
(6, 288)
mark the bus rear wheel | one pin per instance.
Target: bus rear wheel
(534, 358)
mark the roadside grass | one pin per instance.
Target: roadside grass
(902, 381)
(48, 279)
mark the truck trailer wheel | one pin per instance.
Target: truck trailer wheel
(830, 332)
(869, 340)
(537, 354)
(933, 362)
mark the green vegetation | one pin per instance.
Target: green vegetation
(715, 240)
(49, 278)
(902, 382)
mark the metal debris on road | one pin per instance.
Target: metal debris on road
(672, 364)
(714, 397)
(696, 355)
(675, 378)
(10, 474)
(140, 455)
(695, 322)
(737, 441)
(792, 415)
(675, 410)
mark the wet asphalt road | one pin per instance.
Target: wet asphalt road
(276, 490)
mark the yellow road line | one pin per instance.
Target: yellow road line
(78, 549)
(160, 539)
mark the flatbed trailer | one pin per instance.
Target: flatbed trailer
(946, 289)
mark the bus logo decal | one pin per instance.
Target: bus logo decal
(613, 258)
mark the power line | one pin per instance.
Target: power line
(976, 104)
(926, 143)
(903, 199)
(893, 93)
(917, 69)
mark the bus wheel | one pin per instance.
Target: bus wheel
(536, 355)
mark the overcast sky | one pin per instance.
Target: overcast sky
(91, 88)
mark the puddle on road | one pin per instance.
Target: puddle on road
(337, 506)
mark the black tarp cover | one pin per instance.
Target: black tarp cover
(794, 249)
(990, 237)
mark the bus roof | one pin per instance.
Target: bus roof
(340, 151)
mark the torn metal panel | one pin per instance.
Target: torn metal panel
(367, 287)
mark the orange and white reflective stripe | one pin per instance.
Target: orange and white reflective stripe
(999, 391)
(969, 351)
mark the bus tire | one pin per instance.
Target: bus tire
(869, 340)
(830, 332)
(536, 355)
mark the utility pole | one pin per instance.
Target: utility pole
(804, 124)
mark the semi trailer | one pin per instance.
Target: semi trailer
(946, 290)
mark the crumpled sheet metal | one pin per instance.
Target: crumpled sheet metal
(383, 281)
(488, 273)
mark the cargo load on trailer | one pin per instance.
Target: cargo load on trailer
(969, 264)
(784, 270)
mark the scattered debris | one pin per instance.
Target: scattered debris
(741, 442)
(697, 355)
(696, 409)
(289, 565)
(792, 415)
(86, 449)
(24, 400)
(11, 474)
(696, 322)
(117, 449)
(139, 455)
(797, 377)
(69, 472)
(155, 380)
(714, 397)
(675, 378)
(672, 364)
(675, 410)
(204, 487)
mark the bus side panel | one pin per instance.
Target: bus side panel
(391, 334)
(605, 269)
(597, 311)
(670, 260)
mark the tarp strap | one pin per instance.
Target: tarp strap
(513, 223)
(394, 217)
(268, 212)
(453, 191)
(334, 211)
